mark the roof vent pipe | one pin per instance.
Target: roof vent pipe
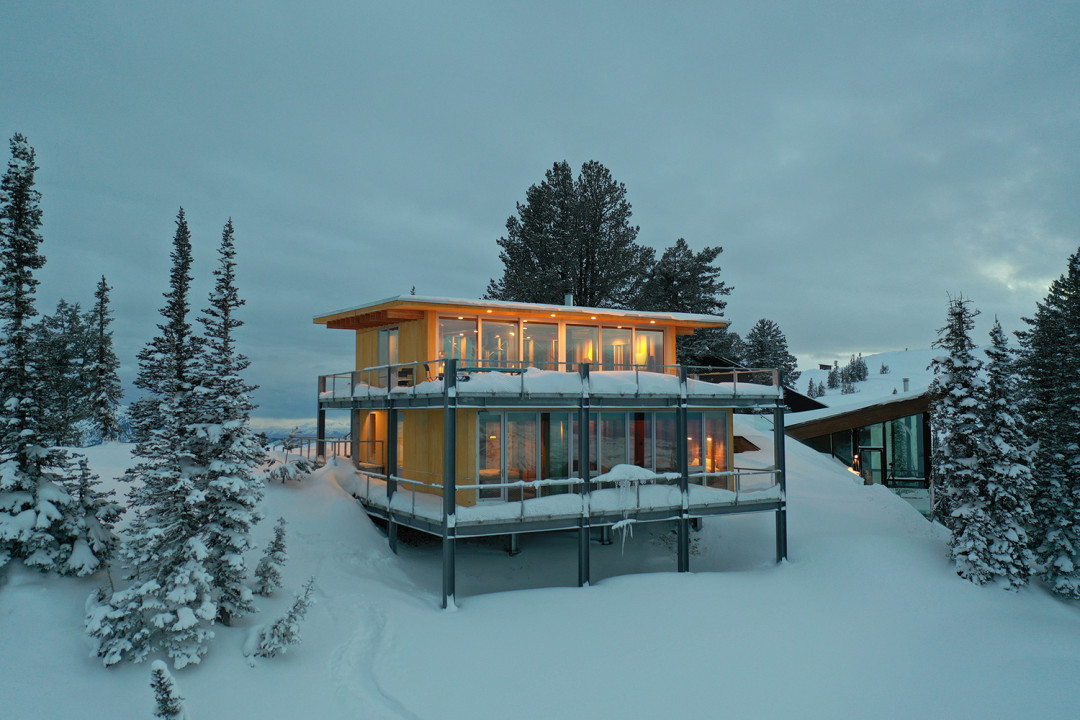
(568, 300)
(906, 381)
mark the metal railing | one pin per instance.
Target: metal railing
(520, 493)
(426, 376)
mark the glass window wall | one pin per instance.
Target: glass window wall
(541, 345)
(581, 345)
(616, 349)
(500, 343)
(649, 348)
(457, 339)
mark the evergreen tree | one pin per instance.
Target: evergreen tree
(102, 379)
(97, 513)
(954, 393)
(169, 703)
(991, 541)
(60, 352)
(684, 281)
(228, 450)
(833, 381)
(1051, 407)
(171, 598)
(38, 515)
(572, 236)
(268, 571)
(766, 347)
(286, 630)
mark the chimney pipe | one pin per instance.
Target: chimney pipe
(906, 381)
(568, 300)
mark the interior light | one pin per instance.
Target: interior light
(653, 322)
(489, 311)
(552, 314)
(593, 317)
(461, 317)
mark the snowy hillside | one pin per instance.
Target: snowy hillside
(878, 387)
(867, 619)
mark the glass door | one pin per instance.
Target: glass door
(871, 463)
(489, 456)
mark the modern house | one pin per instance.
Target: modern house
(477, 417)
(882, 430)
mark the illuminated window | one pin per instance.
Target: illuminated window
(649, 348)
(616, 349)
(500, 343)
(581, 344)
(541, 345)
(457, 339)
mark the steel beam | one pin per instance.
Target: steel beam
(682, 457)
(391, 472)
(449, 528)
(584, 529)
(781, 475)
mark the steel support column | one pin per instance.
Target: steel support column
(682, 457)
(449, 480)
(586, 486)
(391, 472)
(780, 457)
(320, 428)
(354, 437)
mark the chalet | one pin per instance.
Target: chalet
(479, 417)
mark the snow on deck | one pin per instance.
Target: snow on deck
(536, 382)
(634, 489)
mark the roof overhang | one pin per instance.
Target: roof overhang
(412, 307)
(860, 417)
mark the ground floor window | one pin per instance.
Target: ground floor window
(516, 446)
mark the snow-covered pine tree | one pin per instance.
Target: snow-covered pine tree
(766, 347)
(168, 702)
(97, 513)
(60, 352)
(37, 512)
(1049, 365)
(228, 449)
(268, 571)
(955, 393)
(170, 600)
(991, 541)
(102, 379)
(833, 381)
(286, 630)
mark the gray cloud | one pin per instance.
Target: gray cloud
(857, 161)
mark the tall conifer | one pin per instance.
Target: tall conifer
(38, 516)
(102, 379)
(1050, 366)
(229, 450)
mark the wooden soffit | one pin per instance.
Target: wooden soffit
(379, 318)
(861, 417)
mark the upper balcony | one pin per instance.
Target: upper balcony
(548, 384)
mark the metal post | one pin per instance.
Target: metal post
(683, 459)
(449, 480)
(320, 433)
(354, 437)
(391, 472)
(586, 487)
(513, 547)
(781, 475)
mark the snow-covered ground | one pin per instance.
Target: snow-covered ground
(866, 619)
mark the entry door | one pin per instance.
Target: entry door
(871, 464)
(489, 456)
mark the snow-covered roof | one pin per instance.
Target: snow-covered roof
(877, 389)
(516, 307)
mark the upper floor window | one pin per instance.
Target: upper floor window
(500, 343)
(457, 338)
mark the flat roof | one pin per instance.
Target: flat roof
(421, 302)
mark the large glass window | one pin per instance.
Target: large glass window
(541, 345)
(612, 440)
(500, 343)
(716, 433)
(641, 440)
(649, 348)
(457, 339)
(388, 352)
(616, 349)
(667, 458)
(581, 344)
(576, 448)
(906, 448)
(489, 454)
(554, 445)
(693, 439)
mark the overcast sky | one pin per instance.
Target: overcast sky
(857, 161)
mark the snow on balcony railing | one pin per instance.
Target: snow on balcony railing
(624, 489)
(427, 379)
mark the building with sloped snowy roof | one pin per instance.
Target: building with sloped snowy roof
(477, 417)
